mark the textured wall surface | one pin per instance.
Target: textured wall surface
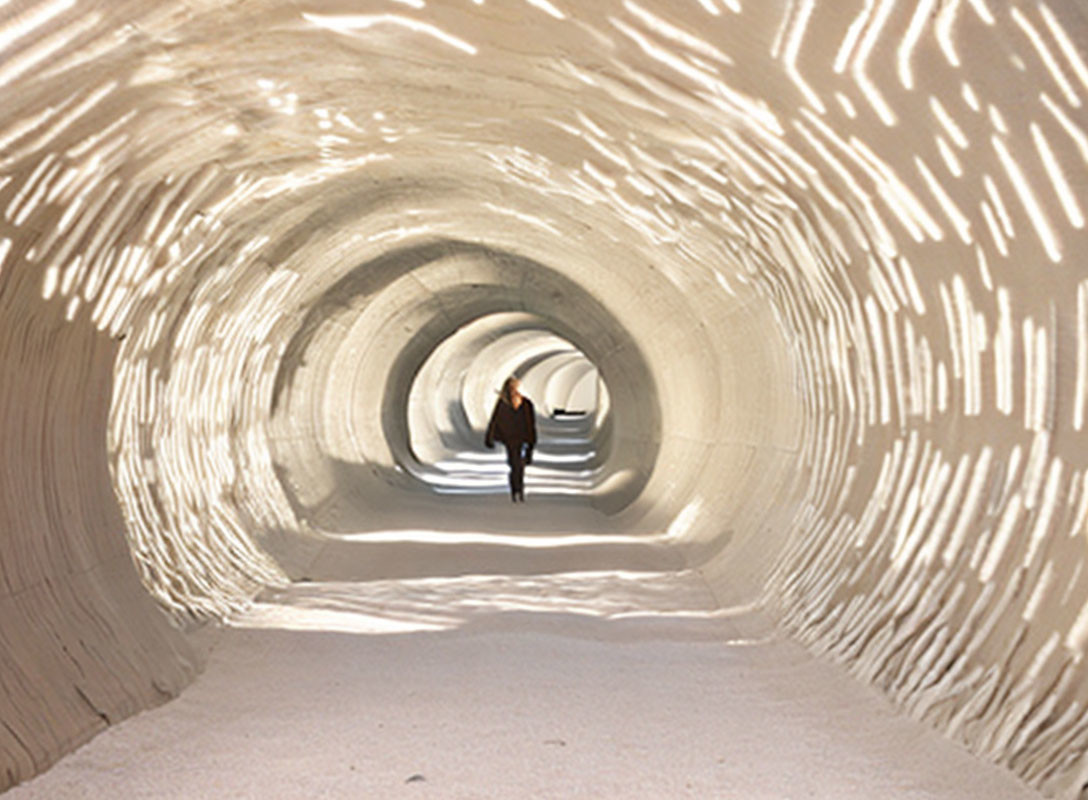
(82, 644)
(827, 258)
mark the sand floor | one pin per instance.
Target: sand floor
(590, 685)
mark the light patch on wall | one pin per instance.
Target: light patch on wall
(685, 520)
(350, 23)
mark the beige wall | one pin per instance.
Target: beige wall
(827, 258)
(84, 645)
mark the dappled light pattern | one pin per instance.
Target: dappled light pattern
(437, 604)
(824, 259)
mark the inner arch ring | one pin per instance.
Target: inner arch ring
(486, 281)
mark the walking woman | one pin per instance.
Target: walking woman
(514, 424)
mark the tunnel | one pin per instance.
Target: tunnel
(795, 287)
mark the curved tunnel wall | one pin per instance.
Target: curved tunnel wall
(826, 257)
(359, 374)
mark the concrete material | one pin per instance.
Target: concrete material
(82, 645)
(825, 256)
(625, 685)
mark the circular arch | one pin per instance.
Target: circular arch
(401, 306)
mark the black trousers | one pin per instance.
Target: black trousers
(517, 455)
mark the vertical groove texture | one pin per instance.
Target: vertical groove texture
(83, 644)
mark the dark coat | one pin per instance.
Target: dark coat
(512, 426)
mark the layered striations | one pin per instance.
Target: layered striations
(824, 260)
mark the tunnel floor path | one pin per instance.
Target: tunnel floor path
(480, 534)
(607, 684)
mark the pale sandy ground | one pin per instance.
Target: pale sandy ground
(598, 685)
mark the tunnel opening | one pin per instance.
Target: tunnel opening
(418, 338)
(455, 390)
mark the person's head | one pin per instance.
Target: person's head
(510, 389)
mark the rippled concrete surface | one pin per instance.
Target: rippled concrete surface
(815, 269)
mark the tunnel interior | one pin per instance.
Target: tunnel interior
(796, 288)
(452, 398)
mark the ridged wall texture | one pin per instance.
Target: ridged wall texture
(82, 644)
(828, 259)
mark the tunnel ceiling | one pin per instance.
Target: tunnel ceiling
(828, 258)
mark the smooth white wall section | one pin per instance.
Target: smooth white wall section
(826, 257)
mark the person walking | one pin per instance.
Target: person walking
(513, 423)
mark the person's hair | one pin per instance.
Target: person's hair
(507, 392)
